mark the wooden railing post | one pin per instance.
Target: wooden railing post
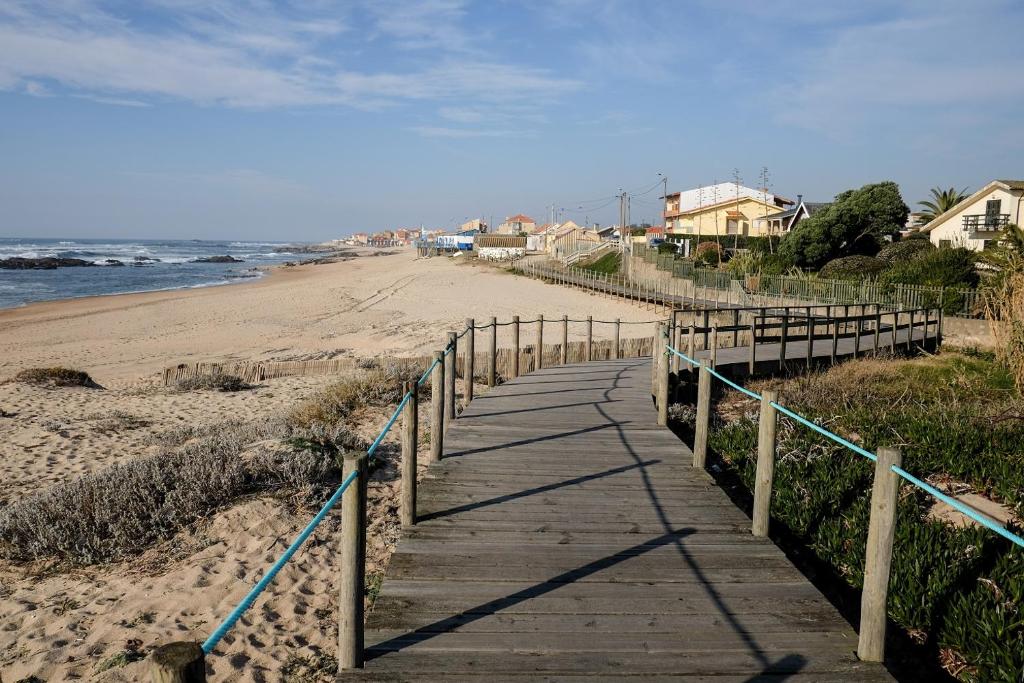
(735, 327)
(784, 331)
(616, 351)
(181, 662)
(700, 436)
(878, 560)
(810, 339)
(468, 361)
(661, 358)
(590, 338)
(437, 409)
(910, 331)
(515, 346)
(766, 444)
(895, 327)
(677, 343)
(449, 379)
(352, 583)
(655, 368)
(492, 354)
(835, 339)
(753, 348)
(538, 362)
(878, 325)
(410, 437)
(691, 345)
(565, 339)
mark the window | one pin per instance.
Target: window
(732, 226)
(993, 208)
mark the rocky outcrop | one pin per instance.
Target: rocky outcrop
(43, 263)
(226, 258)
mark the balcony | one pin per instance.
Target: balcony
(986, 221)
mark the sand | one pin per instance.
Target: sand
(89, 622)
(365, 307)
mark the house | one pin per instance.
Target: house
(654, 233)
(475, 224)
(608, 232)
(569, 238)
(722, 209)
(782, 222)
(537, 240)
(977, 220)
(514, 225)
(499, 247)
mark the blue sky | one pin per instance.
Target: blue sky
(314, 119)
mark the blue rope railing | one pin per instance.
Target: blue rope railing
(250, 597)
(924, 486)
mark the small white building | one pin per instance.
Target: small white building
(979, 219)
(499, 247)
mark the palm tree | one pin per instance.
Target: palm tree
(941, 202)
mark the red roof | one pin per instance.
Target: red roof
(520, 218)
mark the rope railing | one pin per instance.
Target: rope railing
(888, 463)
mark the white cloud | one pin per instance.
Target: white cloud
(248, 55)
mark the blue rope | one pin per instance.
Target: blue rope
(953, 502)
(735, 386)
(821, 430)
(426, 375)
(388, 426)
(251, 596)
(691, 361)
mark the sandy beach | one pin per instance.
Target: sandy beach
(99, 620)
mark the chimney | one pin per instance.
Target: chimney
(799, 199)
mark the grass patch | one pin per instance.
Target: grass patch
(56, 377)
(957, 591)
(376, 386)
(217, 382)
(607, 264)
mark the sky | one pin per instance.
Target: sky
(313, 119)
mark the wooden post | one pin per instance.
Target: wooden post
(492, 354)
(835, 339)
(810, 339)
(468, 358)
(707, 324)
(924, 333)
(437, 409)
(753, 348)
(784, 330)
(878, 559)
(661, 357)
(910, 331)
(410, 418)
(449, 379)
(766, 444)
(878, 325)
(677, 342)
(714, 347)
(565, 339)
(590, 338)
(700, 436)
(735, 327)
(539, 361)
(691, 343)
(181, 662)
(352, 583)
(618, 323)
(655, 368)
(515, 346)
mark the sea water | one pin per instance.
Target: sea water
(173, 267)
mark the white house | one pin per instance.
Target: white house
(977, 220)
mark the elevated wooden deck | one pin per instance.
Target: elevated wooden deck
(565, 536)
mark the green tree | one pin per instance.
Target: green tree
(856, 223)
(941, 202)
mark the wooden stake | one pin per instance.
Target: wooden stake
(700, 437)
(468, 358)
(565, 339)
(766, 444)
(449, 379)
(437, 409)
(590, 338)
(538, 362)
(878, 560)
(492, 354)
(515, 346)
(409, 442)
(181, 662)
(352, 583)
(616, 351)
(661, 357)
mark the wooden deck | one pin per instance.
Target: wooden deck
(565, 536)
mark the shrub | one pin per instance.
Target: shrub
(708, 253)
(916, 235)
(905, 250)
(215, 382)
(951, 268)
(378, 386)
(852, 268)
(56, 377)
(668, 248)
(122, 510)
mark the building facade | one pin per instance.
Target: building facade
(979, 219)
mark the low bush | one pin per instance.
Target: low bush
(56, 377)
(378, 386)
(948, 267)
(853, 268)
(955, 418)
(122, 510)
(708, 253)
(904, 250)
(215, 382)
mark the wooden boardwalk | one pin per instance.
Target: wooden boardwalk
(565, 536)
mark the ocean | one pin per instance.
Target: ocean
(171, 266)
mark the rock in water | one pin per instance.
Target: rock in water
(226, 258)
(42, 263)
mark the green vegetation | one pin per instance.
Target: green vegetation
(215, 382)
(958, 420)
(1004, 300)
(941, 202)
(852, 268)
(607, 264)
(856, 223)
(56, 377)
(708, 254)
(905, 250)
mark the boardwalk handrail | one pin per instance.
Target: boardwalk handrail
(880, 536)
